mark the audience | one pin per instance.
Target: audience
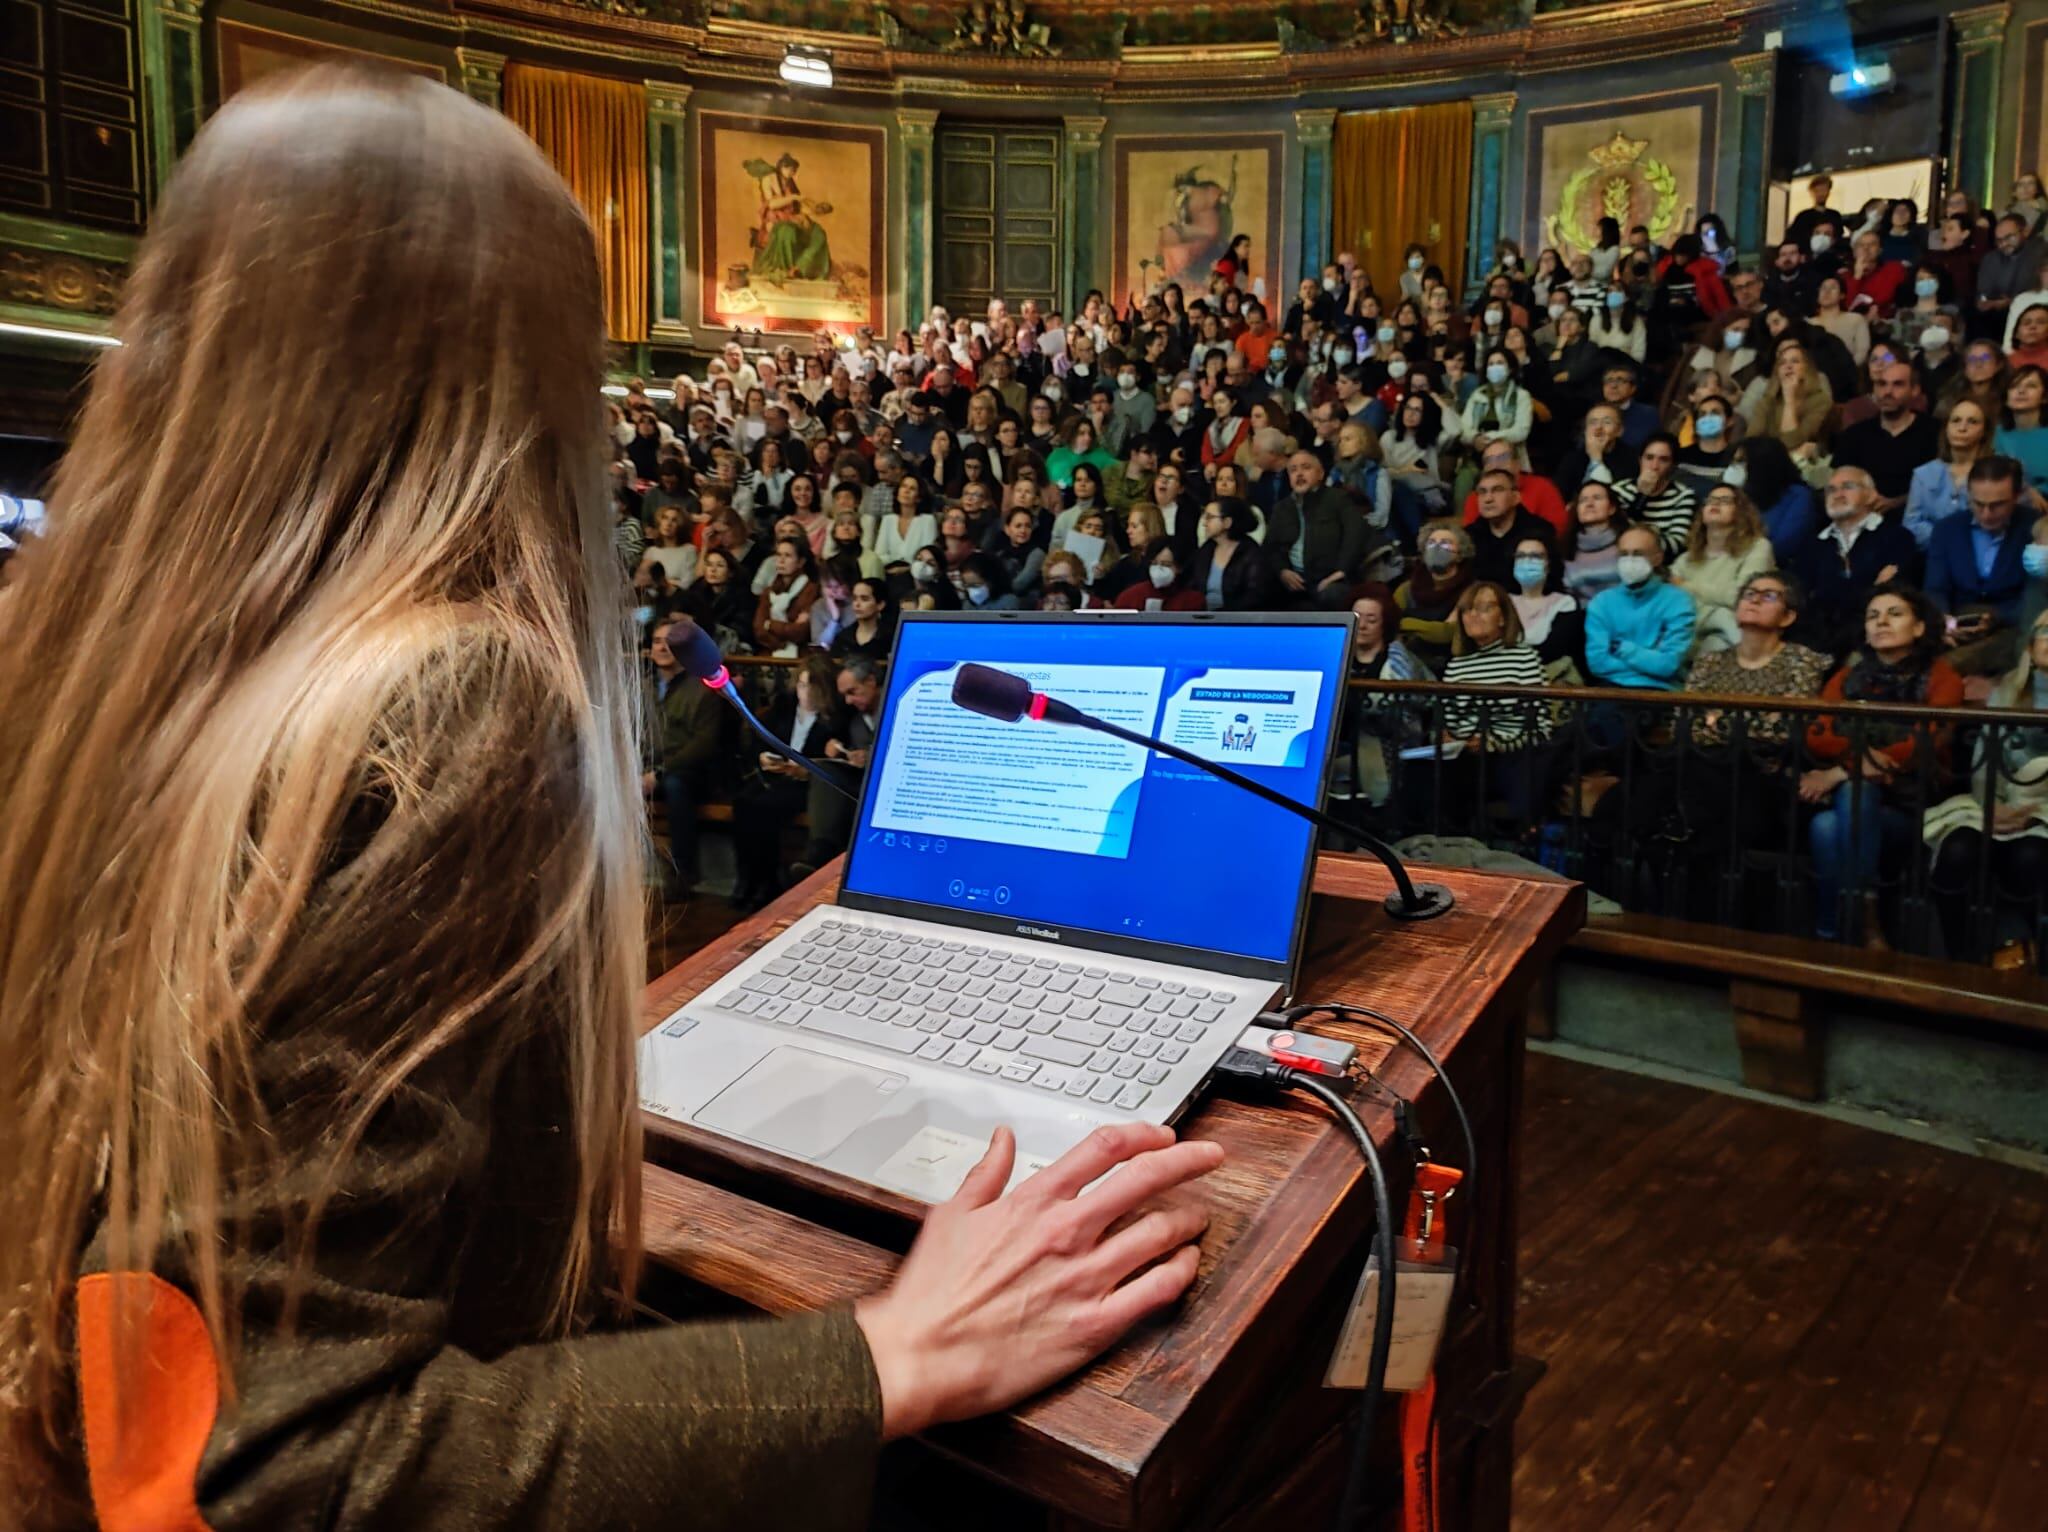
(1686, 479)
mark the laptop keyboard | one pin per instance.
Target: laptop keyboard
(1088, 1031)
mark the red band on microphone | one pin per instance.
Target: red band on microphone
(719, 681)
(1036, 712)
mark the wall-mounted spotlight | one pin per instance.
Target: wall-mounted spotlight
(810, 67)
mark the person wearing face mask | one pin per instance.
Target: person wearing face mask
(1163, 588)
(1413, 265)
(983, 587)
(1133, 407)
(1431, 592)
(1931, 307)
(1640, 633)
(1811, 218)
(1550, 615)
(1616, 325)
(933, 589)
(1500, 408)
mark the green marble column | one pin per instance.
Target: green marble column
(1973, 131)
(1492, 118)
(1312, 130)
(914, 129)
(1083, 207)
(1756, 81)
(667, 102)
(173, 80)
(483, 75)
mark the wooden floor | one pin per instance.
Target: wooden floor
(1759, 1320)
(1755, 1319)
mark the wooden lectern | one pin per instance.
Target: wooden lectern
(1215, 1416)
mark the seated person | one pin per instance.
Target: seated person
(1894, 441)
(2016, 787)
(1165, 587)
(1317, 536)
(1639, 634)
(1426, 598)
(1589, 550)
(1487, 651)
(1655, 498)
(1941, 486)
(1857, 550)
(1600, 452)
(1976, 570)
(850, 743)
(684, 746)
(1876, 773)
(1504, 523)
(1231, 570)
(1538, 493)
(1726, 548)
(1552, 620)
(771, 790)
(1791, 512)
(782, 614)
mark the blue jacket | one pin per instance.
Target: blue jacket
(1932, 499)
(1793, 523)
(1952, 578)
(1640, 637)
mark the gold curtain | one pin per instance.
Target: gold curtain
(1401, 177)
(595, 133)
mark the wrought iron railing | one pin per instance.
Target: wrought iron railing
(1690, 805)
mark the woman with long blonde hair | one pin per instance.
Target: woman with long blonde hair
(1798, 407)
(320, 977)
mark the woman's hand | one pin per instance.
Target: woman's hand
(1003, 1295)
(1814, 786)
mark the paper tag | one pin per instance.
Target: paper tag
(1422, 1299)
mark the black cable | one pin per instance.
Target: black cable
(1289, 1020)
(803, 763)
(1244, 1063)
(1411, 902)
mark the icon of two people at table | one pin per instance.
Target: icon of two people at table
(1239, 734)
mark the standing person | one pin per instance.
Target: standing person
(362, 1017)
(1318, 537)
(772, 790)
(686, 741)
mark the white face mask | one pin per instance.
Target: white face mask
(1127, 382)
(1161, 576)
(1386, 334)
(1735, 475)
(1397, 369)
(1493, 317)
(1342, 356)
(1633, 568)
(845, 436)
(923, 573)
(1823, 243)
(1331, 285)
(1183, 414)
(1935, 338)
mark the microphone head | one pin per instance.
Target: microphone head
(695, 650)
(993, 693)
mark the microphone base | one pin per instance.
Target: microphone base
(1432, 900)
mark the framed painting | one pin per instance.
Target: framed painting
(790, 225)
(1643, 159)
(1181, 201)
(248, 53)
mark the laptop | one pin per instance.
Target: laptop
(1037, 926)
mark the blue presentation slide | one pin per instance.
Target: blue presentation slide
(1059, 825)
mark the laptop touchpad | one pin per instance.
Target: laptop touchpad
(801, 1103)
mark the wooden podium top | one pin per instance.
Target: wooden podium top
(1127, 1441)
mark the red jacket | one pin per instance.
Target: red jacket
(1134, 597)
(1714, 297)
(1944, 689)
(1539, 495)
(1877, 293)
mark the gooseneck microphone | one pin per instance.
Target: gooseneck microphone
(700, 660)
(1006, 698)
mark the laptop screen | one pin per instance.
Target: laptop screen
(1062, 832)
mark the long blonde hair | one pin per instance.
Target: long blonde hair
(333, 750)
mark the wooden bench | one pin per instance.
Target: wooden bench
(1775, 982)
